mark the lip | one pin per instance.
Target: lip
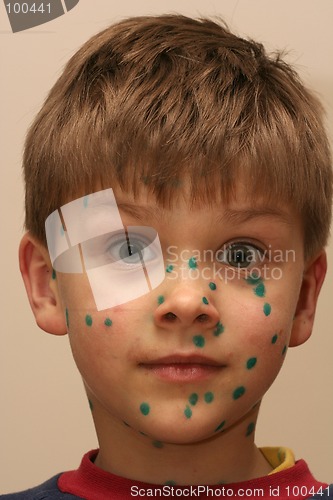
(183, 368)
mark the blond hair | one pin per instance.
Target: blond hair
(152, 100)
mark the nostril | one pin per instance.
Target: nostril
(170, 316)
(202, 318)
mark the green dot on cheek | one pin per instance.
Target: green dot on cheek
(238, 392)
(192, 263)
(250, 429)
(89, 320)
(145, 408)
(251, 363)
(212, 285)
(199, 340)
(108, 322)
(267, 309)
(260, 290)
(274, 338)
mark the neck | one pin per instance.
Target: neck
(229, 456)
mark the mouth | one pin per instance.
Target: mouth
(183, 368)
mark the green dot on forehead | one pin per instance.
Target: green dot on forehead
(193, 399)
(169, 268)
(199, 340)
(251, 362)
(108, 322)
(89, 320)
(144, 408)
(212, 285)
(238, 392)
(192, 263)
(205, 300)
(208, 397)
(160, 299)
(188, 412)
(267, 309)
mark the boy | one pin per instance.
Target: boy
(178, 203)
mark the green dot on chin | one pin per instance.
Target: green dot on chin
(188, 412)
(209, 397)
(193, 399)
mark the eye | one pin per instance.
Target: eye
(130, 250)
(241, 255)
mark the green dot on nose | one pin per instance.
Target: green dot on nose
(205, 300)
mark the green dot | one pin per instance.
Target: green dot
(209, 397)
(199, 340)
(91, 406)
(267, 309)
(89, 320)
(251, 362)
(160, 299)
(284, 350)
(250, 429)
(157, 444)
(169, 268)
(260, 290)
(144, 408)
(212, 285)
(192, 263)
(54, 274)
(219, 427)
(274, 338)
(254, 279)
(205, 300)
(108, 322)
(188, 412)
(238, 392)
(67, 317)
(193, 399)
(219, 328)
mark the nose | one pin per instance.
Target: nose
(186, 307)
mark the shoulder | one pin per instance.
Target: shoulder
(324, 493)
(45, 491)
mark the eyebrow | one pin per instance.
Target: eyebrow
(242, 215)
(232, 216)
(139, 212)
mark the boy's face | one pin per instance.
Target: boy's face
(194, 355)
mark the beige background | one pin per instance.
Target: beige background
(45, 419)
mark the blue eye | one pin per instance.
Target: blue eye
(240, 255)
(131, 250)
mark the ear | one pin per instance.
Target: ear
(313, 278)
(41, 287)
